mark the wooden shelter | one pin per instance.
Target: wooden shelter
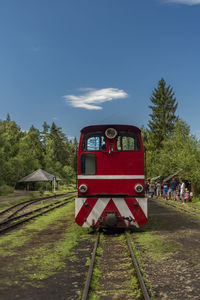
(38, 176)
(172, 176)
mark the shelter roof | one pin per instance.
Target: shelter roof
(39, 175)
(171, 176)
(154, 178)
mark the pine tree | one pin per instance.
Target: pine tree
(163, 116)
(44, 133)
(8, 119)
(60, 153)
(30, 155)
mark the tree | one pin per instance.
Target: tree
(8, 118)
(163, 115)
(181, 151)
(23, 152)
(56, 145)
(74, 153)
(44, 134)
(10, 135)
(59, 154)
(30, 155)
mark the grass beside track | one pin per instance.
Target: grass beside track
(21, 196)
(189, 207)
(40, 249)
(161, 241)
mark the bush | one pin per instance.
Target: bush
(196, 199)
(6, 190)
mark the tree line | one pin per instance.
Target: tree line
(23, 152)
(170, 146)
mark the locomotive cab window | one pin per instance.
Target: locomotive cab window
(88, 164)
(94, 142)
(128, 141)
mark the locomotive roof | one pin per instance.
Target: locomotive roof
(104, 127)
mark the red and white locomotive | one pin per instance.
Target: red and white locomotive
(111, 177)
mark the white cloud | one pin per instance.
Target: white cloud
(92, 99)
(187, 2)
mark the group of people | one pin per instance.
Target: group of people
(174, 190)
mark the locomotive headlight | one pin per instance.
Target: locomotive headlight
(83, 188)
(111, 133)
(139, 188)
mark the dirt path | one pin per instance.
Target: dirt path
(175, 274)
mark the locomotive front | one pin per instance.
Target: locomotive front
(110, 177)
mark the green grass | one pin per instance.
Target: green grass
(159, 248)
(11, 200)
(44, 259)
(196, 199)
(18, 238)
(47, 261)
(96, 273)
(139, 257)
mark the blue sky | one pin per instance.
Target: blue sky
(83, 62)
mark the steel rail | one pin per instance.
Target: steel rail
(192, 212)
(19, 209)
(31, 201)
(90, 271)
(185, 210)
(8, 220)
(139, 275)
(33, 217)
(35, 201)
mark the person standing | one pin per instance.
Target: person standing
(177, 197)
(182, 190)
(172, 189)
(158, 189)
(165, 190)
(152, 188)
(187, 195)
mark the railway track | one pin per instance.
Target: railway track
(188, 209)
(12, 222)
(13, 210)
(134, 266)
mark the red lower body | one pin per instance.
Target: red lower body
(111, 212)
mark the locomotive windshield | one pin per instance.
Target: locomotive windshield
(128, 141)
(94, 142)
